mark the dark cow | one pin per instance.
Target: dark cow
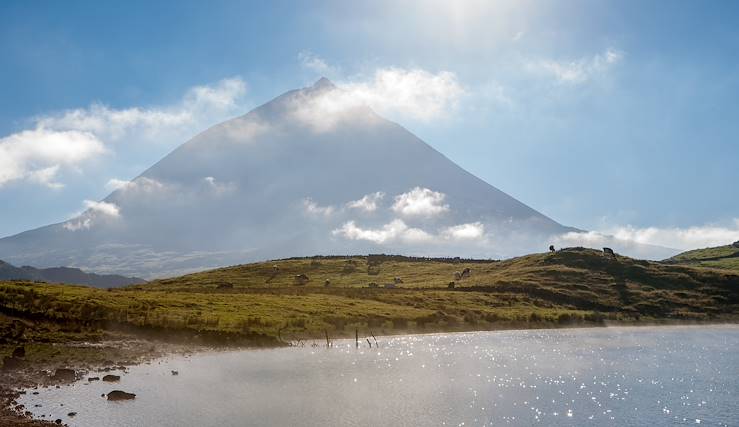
(397, 280)
(609, 252)
(466, 273)
(301, 279)
(551, 248)
(451, 285)
(327, 283)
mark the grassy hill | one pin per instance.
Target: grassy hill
(263, 303)
(726, 257)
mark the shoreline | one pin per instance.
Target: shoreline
(14, 383)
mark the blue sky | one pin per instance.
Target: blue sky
(615, 116)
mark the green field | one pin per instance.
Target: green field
(263, 303)
(725, 257)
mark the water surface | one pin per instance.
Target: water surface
(659, 376)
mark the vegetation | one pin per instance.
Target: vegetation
(725, 257)
(264, 303)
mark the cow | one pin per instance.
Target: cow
(451, 285)
(373, 285)
(389, 285)
(397, 280)
(301, 279)
(609, 252)
(457, 275)
(327, 283)
(551, 248)
(466, 273)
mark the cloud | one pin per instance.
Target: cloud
(396, 230)
(577, 71)
(94, 210)
(312, 208)
(313, 62)
(368, 203)
(37, 155)
(219, 188)
(413, 94)
(420, 202)
(65, 140)
(116, 184)
(670, 237)
(470, 231)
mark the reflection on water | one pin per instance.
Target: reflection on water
(612, 376)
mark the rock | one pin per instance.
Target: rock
(19, 352)
(102, 395)
(175, 373)
(225, 286)
(120, 395)
(111, 378)
(71, 414)
(64, 374)
(58, 421)
(93, 379)
(735, 244)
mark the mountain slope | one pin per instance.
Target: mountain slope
(305, 173)
(726, 257)
(65, 275)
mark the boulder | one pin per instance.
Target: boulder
(64, 374)
(111, 378)
(93, 379)
(175, 373)
(120, 395)
(735, 244)
(71, 414)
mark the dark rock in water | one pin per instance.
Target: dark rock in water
(120, 395)
(19, 352)
(58, 421)
(35, 392)
(64, 374)
(102, 395)
(71, 414)
(175, 373)
(12, 363)
(93, 379)
(111, 378)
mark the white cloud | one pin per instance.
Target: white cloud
(37, 155)
(116, 184)
(368, 203)
(670, 237)
(94, 210)
(470, 231)
(313, 62)
(312, 208)
(217, 187)
(580, 70)
(66, 140)
(409, 93)
(420, 202)
(396, 230)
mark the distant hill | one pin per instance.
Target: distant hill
(65, 275)
(718, 257)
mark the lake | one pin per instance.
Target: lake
(658, 376)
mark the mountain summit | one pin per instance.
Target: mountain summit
(311, 172)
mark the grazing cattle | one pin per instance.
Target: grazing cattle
(609, 252)
(301, 279)
(327, 283)
(373, 285)
(451, 285)
(457, 275)
(466, 273)
(551, 248)
(397, 280)
(389, 285)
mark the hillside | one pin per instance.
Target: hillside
(65, 275)
(265, 303)
(726, 257)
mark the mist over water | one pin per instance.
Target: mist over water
(659, 376)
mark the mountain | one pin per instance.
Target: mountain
(310, 172)
(65, 275)
(726, 257)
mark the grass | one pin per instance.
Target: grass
(724, 257)
(256, 303)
